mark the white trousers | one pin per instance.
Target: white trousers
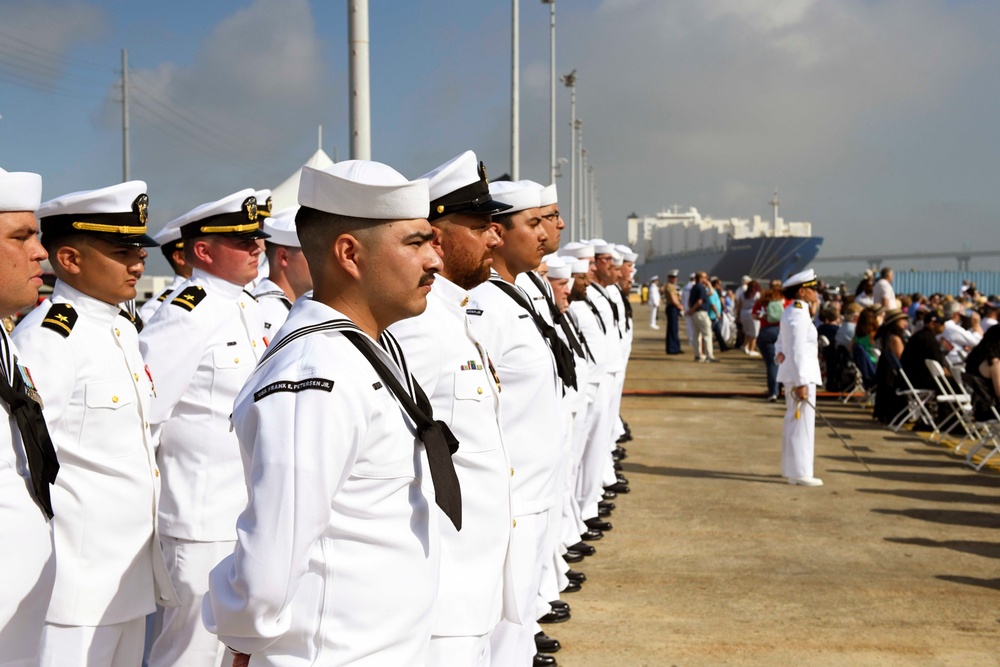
(471, 651)
(183, 640)
(514, 645)
(589, 487)
(27, 571)
(703, 333)
(652, 316)
(118, 645)
(798, 435)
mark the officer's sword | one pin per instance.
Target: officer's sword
(835, 432)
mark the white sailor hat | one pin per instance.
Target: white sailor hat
(521, 195)
(656, 278)
(116, 214)
(616, 258)
(602, 247)
(460, 185)
(548, 196)
(626, 252)
(550, 256)
(746, 279)
(694, 274)
(364, 189)
(673, 273)
(805, 278)
(559, 268)
(263, 198)
(281, 227)
(20, 191)
(235, 215)
(579, 265)
(578, 249)
(169, 237)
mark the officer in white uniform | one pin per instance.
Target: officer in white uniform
(172, 247)
(201, 346)
(455, 371)
(654, 301)
(501, 315)
(798, 370)
(85, 358)
(288, 276)
(338, 551)
(28, 462)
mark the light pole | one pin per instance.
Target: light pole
(585, 227)
(361, 135)
(569, 80)
(515, 94)
(552, 85)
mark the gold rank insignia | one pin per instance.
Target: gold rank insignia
(250, 206)
(60, 318)
(190, 297)
(141, 208)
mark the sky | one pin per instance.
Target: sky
(876, 120)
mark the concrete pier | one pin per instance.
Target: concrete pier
(715, 560)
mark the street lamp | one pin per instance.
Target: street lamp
(569, 80)
(515, 95)
(552, 92)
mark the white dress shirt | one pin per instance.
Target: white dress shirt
(148, 309)
(96, 393)
(454, 370)
(200, 357)
(798, 341)
(336, 561)
(960, 338)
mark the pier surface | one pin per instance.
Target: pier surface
(715, 560)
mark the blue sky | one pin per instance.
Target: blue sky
(875, 119)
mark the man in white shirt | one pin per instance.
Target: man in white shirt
(883, 294)
(288, 272)
(960, 340)
(28, 464)
(454, 369)
(338, 551)
(85, 357)
(172, 247)
(654, 301)
(201, 347)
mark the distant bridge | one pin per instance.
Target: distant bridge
(875, 261)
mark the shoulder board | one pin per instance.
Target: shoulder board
(189, 298)
(60, 318)
(798, 304)
(166, 293)
(135, 320)
(250, 295)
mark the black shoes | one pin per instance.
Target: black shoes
(542, 660)
(572, 587)
(597, 524)
(572, 575)
(546, 644)
(603, 512)
(616, 488)
(609, 495)
(555, 616)
(583, 549)
(605, 505)
(592, 535)
(572, 556)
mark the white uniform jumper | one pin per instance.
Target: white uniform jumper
(110, 571)
(797, 341)
(454, 370)
(338, 550)
(274, 306)
(201, 347)
(29, 567)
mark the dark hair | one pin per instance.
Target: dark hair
(790, 292)
(504, 219)
(867, 321)
(168, 250)
(987, 350)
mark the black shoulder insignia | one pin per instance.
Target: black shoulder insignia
(798, 304)
(166, 293)
(60, 318)
(190, 297)
(136, 320)
(321, 384)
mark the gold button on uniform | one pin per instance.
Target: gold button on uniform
(236, 360)
(515, 523)
(241, 305)
(157, 471)
(479, 390)
(254, 343)
(114, 399)
(465, 301)
(136, 376)
(511, 472)
(118, 333)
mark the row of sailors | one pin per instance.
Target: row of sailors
(273, 490)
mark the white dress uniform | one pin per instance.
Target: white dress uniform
(201, 347)
(338, 551)
(654, 304)
(274, 306)
(96, 390)
(530, 397)
(797, 340)
(29, 569)
(148, 309)
(455, 371)
(612, 315)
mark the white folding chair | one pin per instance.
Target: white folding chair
(988, 428)
(916, 401)
(959, 403)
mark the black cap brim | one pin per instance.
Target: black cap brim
(127, 240)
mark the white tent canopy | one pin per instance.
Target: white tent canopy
(286, 195)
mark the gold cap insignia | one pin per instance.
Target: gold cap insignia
(141, 207)
(250, 206)
(482, 172)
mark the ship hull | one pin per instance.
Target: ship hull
(762, 258)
